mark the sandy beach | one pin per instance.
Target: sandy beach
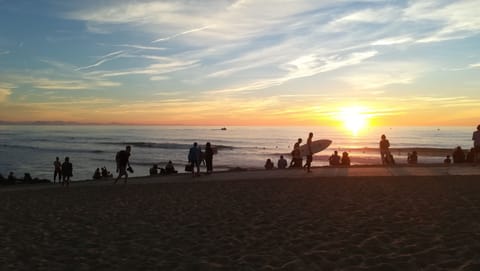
(365, 218)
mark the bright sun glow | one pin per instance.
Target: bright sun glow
(354, 118)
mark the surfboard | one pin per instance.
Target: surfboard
(316, 146)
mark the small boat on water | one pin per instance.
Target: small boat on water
(223, 128)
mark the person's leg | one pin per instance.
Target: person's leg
(120, 174)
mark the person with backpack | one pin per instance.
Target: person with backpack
(123, 163)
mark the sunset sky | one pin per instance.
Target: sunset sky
(240, 62)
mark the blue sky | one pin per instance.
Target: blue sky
(240, 62)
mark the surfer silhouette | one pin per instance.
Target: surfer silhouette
(296, 155)
(308, 164)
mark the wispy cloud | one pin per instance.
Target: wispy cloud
(304, 66)
(381, 74)
(5, 91)
(393, 41)
(181, 34)
(157, 68)
(103, 59)
(142, 47)
(4, 52)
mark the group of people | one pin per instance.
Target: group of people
(336, 160)
(64, 171)
(169, 169)
(104, 173)
(297, 156)
(27, 178)
(458, 156)
(196, 157)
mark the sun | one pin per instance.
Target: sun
(354, 118)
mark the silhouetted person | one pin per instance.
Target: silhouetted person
(194, 158)
(153, 170)
(27, 178)
(458, 155)
(11, 178)
(412, 158)
(334, 159)
(169, 168)
(296, 155)
(470, 156)
(308, 164)
(97, 175)
(122, 159)
(57, 167)
(209, 157)
(67, 171)
(476, 143)
(345, 159)
(106, 173)
(390, 159)
(384, 149)
(447, 160)
(268, 164)
(282, 162)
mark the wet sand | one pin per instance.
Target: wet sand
(232, 221)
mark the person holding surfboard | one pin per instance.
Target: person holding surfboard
(308, 164)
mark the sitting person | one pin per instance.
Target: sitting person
(97, 175)
(169, 168)
(11, 178)
(470, 156)
(27, 178)
(282, 162)
(458, 155)
(389, 159)
(412, 158)
(269, 164)
(334, 159)
(154, 170)
(106, 173)
(345, 159)
(447, 160)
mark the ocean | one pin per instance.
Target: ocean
(33, 148)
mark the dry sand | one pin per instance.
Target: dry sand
(276, 222)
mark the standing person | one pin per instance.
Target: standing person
(476, 144)
(67, 171)
(384, 150)
(194, 158)
(282, 162)
(308, 164)
(122, 159)
(209, 157)
(296, 155)
(57, 165)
